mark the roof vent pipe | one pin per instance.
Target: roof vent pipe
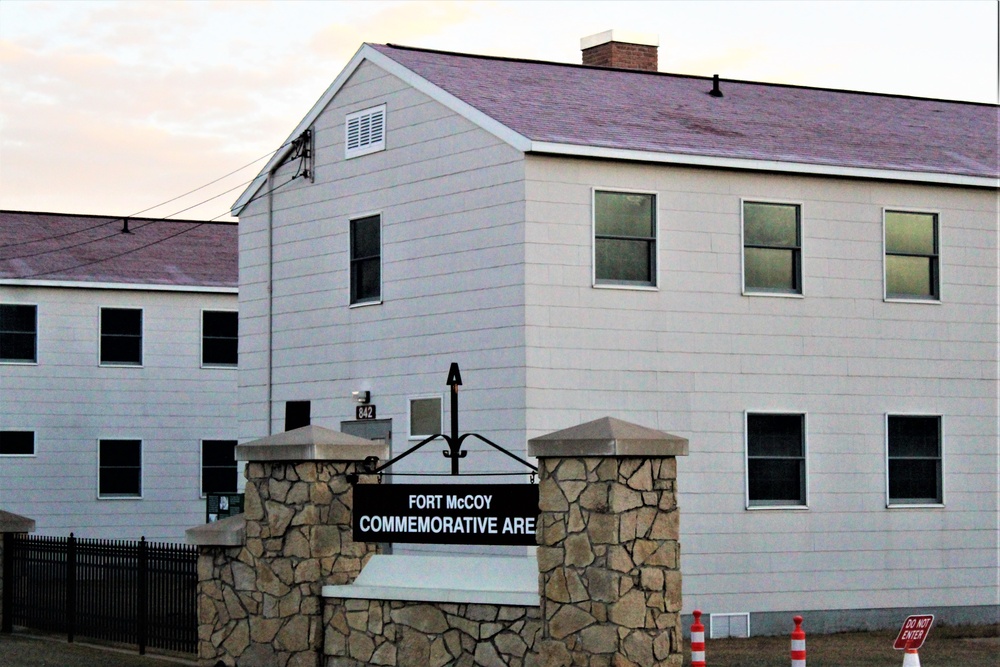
(715, 87)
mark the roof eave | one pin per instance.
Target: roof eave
(748, 164)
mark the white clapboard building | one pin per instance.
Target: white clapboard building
(800, 281)
(118, 364)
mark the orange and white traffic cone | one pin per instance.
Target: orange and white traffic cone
(697, 641)
(911, 658)
(798, 644)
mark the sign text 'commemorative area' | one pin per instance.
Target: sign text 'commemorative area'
(446, 513)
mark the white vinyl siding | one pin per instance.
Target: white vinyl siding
(692, 357)
(70, 403)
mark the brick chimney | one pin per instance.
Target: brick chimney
(621, 49)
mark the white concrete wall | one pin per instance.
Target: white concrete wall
(451, 200)
(70, 401)
(692, 356)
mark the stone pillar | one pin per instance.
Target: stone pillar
(608, 554)
(10, 525)
(259, 599)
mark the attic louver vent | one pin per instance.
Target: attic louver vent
(364, 132)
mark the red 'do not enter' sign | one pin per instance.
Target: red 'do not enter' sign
(913, 633)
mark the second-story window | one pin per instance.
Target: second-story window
(18, 333)
(366, 259)
(624, 239)
(911, 255)
(219, 338)
(772, 248)
(121, 336)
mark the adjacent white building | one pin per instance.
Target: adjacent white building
(802, 282)
(118, 362)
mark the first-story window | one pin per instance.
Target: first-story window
(366, 259)
(18, 333)
(121, 336)
(624, 238)
(119, 469)
(218, 466)
(219, 338)
(17, 443)
(914, 460)
(425, 417)
(911, 255)
(772, 248)
(776, 460)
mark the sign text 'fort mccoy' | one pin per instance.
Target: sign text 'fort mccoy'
(446, 513)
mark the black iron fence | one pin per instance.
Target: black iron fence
(130, 592)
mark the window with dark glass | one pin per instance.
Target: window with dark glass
(218, 466)
(18, 333)
(219, 338)
(624, 238)
(425, 417)
(776, 460)
(121, 336)
(911, 255)
(120, 468)
(17, 443)
(914, 457)
(366, 259)
(772, 248)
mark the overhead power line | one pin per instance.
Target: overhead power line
(111, 221)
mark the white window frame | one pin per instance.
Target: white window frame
(34, 443)
(743, 269)
(409, 414)
(360, 117)
(655, 286)
(805, 462)
(201, 466)
(941, 444)
(885, 264)
(381, 257)
(22, 362)
(201, 350)
(142, 338)
(142, 469)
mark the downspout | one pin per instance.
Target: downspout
(270, 298)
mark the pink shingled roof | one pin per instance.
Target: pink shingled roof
(54, 246)
(665, 113)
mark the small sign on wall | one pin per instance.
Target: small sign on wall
(364, 412)
(222, 505)
(483, 514)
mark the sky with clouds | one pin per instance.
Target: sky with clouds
(116, 107)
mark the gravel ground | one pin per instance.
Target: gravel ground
(946, 646)
(32, 650)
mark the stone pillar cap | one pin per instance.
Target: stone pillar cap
(311, 443)
(15, 523)
(228, 532)
(608, 436)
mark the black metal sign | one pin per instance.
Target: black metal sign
(364, 412)
(222, 505)
(483, 514)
